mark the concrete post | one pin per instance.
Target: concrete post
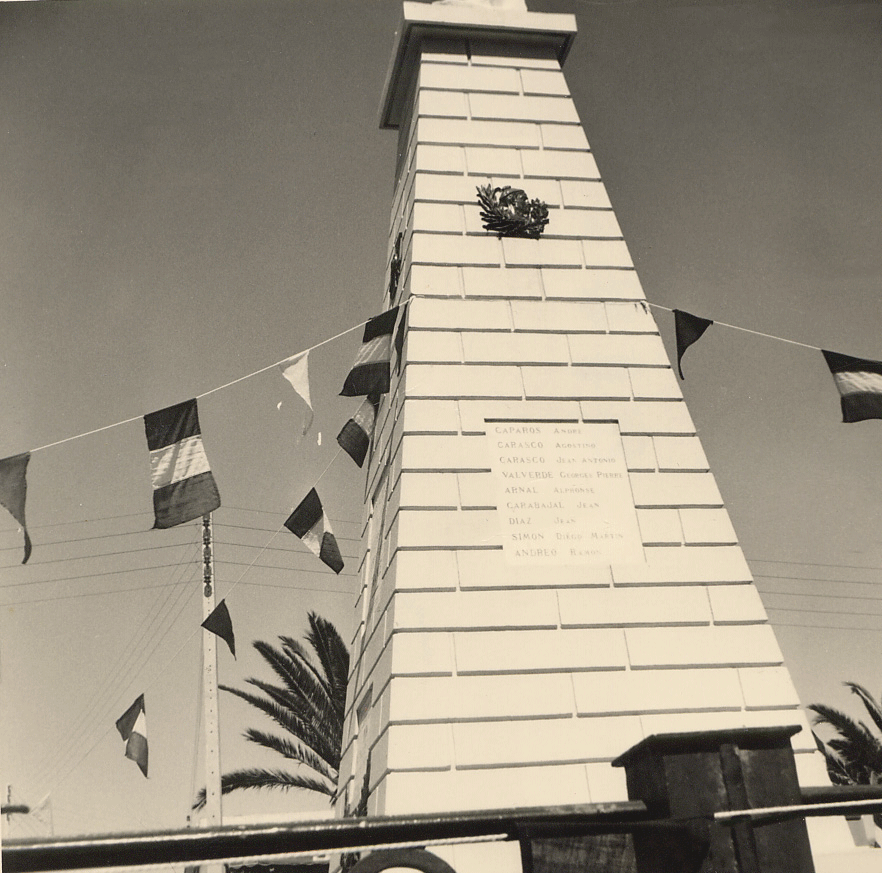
(692, 776)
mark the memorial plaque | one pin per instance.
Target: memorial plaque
(563, 493)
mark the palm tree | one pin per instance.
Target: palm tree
(854, 756)
(308, 705)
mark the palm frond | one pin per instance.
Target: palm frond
(312, 705)
(856, 745)
(309, 703)
(332, 653)
(279, 713)
(318, 725)
(299, 677)
(326, 707)
(841, 722)
(259, 778)
(293, 751)
(871, 705)
(297, 651)
(326, 744)
(287, 668)
(283, 697)
(837, 769)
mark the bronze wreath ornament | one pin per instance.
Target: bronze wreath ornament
(507, 212)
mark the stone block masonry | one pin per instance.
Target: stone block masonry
(479, 680)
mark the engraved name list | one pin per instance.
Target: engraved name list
(563, 493)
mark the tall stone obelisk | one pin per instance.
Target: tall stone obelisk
(550, 573)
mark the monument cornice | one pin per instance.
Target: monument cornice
(555, 31)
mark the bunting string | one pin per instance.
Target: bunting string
(87, 433)
(350, 330)
(213, 390)
(324, 342)
(748, 330)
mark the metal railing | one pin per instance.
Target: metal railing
(250, 843)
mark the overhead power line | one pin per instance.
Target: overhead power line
(828, 627)
(136, 656)
(820, 611)
(92, 712)
(270, 530)
(836, 596)
(287, 587)
(72, 766)
(87, 576)
(289, 550)
(109, 706)
(45, 544)
(90, 594)
(306, 587)
(819, 579)
(814, 564)
(77, 521)
(96, 555)
(275, 566)
(224, 509)
(271, 512)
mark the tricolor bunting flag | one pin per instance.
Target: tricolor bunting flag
(859, 382)
(395, 268)
(309, 522)
(132, 727)
(296, 371)
(13, 491)
(220, 623)
(355, 438)
(183, 487)
(689, 329)
(370, 374)
(399, 341)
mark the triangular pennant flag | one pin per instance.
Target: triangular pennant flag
(132, 727)
(296, 371)
(309, 522)
(689, 329)
(355, 438)
(220, 623)
(183, 486)
(395, 269)
(370, 373)
(13, 491)
(859, 382)
(399, 341)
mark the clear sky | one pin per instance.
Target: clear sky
(194, 190)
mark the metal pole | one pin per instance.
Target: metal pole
(313, 837)
(212, 813)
